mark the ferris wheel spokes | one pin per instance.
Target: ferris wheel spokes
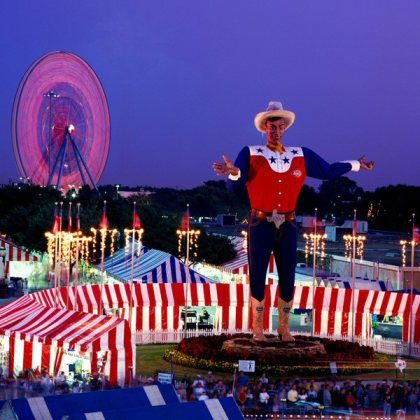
(82, 160)
(60, 153)
(61, 157)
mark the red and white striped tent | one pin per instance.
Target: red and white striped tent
(36, 336)
(15, 253)
(36, 333)
(157, 306)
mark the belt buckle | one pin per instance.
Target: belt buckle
(277, 218)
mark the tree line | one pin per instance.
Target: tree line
(26, 211)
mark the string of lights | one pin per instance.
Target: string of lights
(403, 244)
(194, 235)
(244, 233)
(360, 245)
(310, 240)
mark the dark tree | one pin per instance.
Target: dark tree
(391, 207)
(339, 197)
(308, 201)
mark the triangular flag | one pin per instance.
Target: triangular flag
(104, 224)
(354, 227)
(70, 221)
(416, 234)
(56, 224)
(78, 217)
(136, 221)
(185, 221)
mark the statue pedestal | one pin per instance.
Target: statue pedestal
(246, 348)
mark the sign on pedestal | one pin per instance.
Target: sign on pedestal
(164, 378)
(246, 365)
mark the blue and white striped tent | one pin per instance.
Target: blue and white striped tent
(152, 266)
(212, 409)
(59, 406)
(360, 283)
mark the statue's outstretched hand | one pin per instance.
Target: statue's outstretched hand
(226, 168)
(368, 166)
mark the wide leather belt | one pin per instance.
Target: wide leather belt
(277, 218)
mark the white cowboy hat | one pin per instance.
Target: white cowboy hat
(274, 109)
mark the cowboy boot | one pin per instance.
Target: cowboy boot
(284, 316)
(258, 318)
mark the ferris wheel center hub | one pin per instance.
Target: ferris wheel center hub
(70, 128)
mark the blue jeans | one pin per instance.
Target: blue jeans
(264, 238)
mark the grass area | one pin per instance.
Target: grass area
(149, 361)
(412, 371)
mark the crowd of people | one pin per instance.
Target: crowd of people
(303, 396)
(256, 395)
(32, 383)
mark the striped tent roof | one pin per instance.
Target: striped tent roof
(241, 259)
(360, 284)
(162, 295)
(29, 320)
(16, 253)
(74, 405)
(213, 408)
(154, 301)
(153, 266)
(239, 265)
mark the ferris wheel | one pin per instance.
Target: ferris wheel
(60, 123)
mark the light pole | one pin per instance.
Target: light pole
(104, 231)
(50, 95)
(59, 252)
(312, 242)
(350, 242)
(192, 238)
(81, 241)
(136, 231)
(412, 320)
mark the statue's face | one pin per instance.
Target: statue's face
(275, 131)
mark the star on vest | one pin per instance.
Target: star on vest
(275, 179)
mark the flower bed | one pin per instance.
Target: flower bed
(206, 353)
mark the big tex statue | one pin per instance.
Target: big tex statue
(274, 176)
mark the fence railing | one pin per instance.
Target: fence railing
(381, 345)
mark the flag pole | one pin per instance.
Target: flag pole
(315, 245)
(104, 231)
(60, 237)
(69, 228)
(56, 245)
(78, 234)
(76, 274)
(187, 258)
(130, 310)
(353, 274)
(413, 244)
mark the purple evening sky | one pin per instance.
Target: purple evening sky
(184, 79)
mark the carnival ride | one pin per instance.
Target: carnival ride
(61, 123)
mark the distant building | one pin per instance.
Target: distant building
(226, 220)
(141, 192)
(399, 278)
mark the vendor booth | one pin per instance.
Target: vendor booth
(17, 261)
(40, 337)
